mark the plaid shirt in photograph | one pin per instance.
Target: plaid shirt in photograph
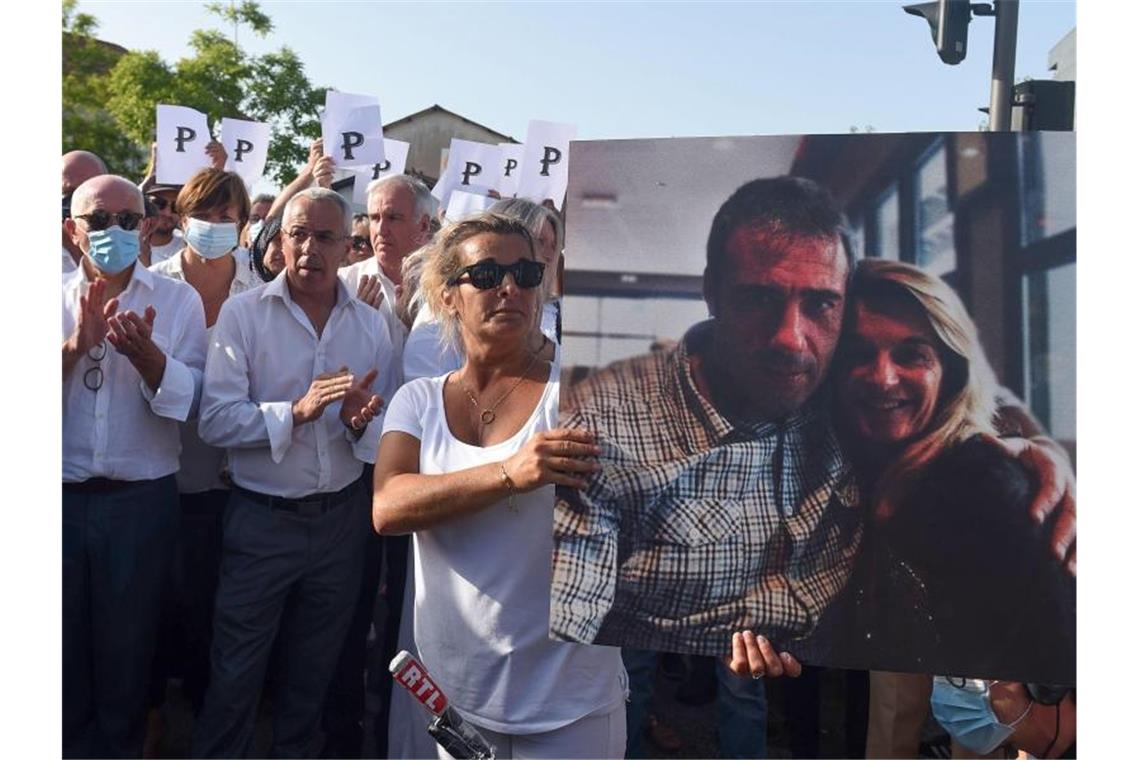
(696, 526)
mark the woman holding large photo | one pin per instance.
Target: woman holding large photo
(468, 464)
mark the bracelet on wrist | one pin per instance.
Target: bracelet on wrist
(510, 486)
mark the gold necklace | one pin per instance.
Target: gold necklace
(487, 416)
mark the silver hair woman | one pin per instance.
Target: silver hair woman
(468, 463)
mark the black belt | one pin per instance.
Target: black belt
(99, 485)
(304, 506)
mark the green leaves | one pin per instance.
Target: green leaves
(109, 96)
(248, 13)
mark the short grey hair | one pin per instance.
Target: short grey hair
(263, 198)
(533, 215)
(424, 202)
(315, 194)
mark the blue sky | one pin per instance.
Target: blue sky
(630, 69)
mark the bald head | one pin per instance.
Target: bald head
(80, 166)
(107, 192)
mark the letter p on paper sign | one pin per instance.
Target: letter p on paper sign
(185, 135)
(472, 169)
(243, 147)
(550, 155)
(351, 140)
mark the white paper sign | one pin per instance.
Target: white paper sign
(463, 203)
(395, 160)
(510, 164)
(247, 147)
(181, 134)
(471, 166)
(545, 161)
(352, 130)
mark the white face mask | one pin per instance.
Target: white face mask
(211, 240)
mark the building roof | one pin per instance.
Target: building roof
(440, 109)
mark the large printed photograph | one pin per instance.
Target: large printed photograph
(831, 377)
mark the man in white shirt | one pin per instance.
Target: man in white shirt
(399, 222)
(133, 352)
(292, 377)
(166, 235)
(78, 167)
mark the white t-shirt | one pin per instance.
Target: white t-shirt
(163, 252)
(200, 465)
(482, 610)
(425, 353)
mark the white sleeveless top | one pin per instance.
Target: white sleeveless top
(482, 583)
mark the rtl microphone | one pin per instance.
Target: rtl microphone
(461, 740)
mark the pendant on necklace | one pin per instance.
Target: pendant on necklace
(488, 416)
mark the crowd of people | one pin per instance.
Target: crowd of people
(264, 398)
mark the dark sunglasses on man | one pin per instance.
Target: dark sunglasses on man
(101, 220)
(359, 243)
(489, 273)
(161, 203)
(67, 206)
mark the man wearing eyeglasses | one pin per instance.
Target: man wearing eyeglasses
(78, 167)
(134, 348)
(296, 379)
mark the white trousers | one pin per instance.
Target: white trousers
(595, 736)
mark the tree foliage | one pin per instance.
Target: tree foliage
(87, 124)
(217, 78)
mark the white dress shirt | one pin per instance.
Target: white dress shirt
(264, 354)
(68, 262)
(351, 275)
(124, 431)
(200, 464)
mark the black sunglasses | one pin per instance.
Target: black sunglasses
(359, 242)
(489, 273)
(161, 203)
(67, 206)
(101, 220)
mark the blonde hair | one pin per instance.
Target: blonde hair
(969, 388)
(444, 262)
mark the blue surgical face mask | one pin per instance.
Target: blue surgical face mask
(113, 249)
(254, 229)
(211, 240)
(966, 714)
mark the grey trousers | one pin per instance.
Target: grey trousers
(289, 576)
